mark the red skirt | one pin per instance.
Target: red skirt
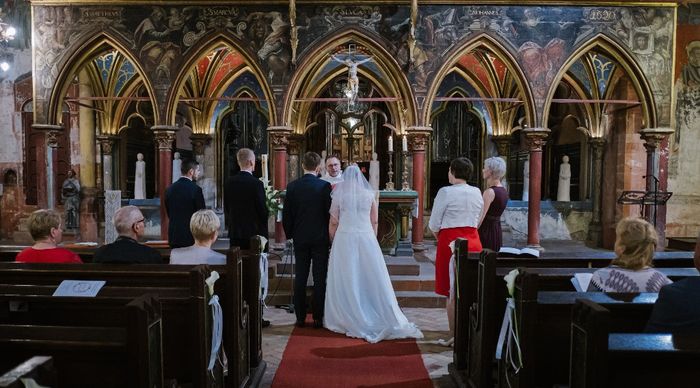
(442, 257)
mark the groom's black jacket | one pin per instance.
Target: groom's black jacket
(306, 210)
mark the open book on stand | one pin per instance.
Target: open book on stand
(515, 252)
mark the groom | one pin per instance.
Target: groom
(305, 219)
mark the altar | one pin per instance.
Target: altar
(395, 208)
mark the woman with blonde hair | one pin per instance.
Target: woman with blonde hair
(495, 201)
(631, 270)
(46, 229)
(204, 226)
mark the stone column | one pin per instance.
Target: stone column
(535, 138)
(106, 144)
(88, 190)
(199, 143)
(502, 145)
(46, 170)
(655, 139)
(279, 139)
(595, 229)
(295, 155)
(419, 137)
(164, 135)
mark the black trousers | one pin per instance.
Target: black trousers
(306, 255)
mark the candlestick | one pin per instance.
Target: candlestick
(390, 173)
(404, 175)
(404, 143)
(391, 144)
(265, 176)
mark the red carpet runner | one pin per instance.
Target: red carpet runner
(321, 358)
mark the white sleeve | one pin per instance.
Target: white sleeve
(437, 212)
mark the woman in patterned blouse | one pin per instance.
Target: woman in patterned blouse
(631, 270)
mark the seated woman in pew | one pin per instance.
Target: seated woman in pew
(204, 226)
(46, 229)
(631, 270)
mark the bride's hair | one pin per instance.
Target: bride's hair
(353, 180)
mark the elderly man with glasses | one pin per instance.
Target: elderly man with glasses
(126, 249)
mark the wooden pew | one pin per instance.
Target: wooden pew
(38, 368)
(86, 253)
(119, 345)
(179, 364)
(602, 358)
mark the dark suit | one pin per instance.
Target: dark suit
(182, 199)
(245, 208)
(677, 309)
(305, 219)
(125, 250)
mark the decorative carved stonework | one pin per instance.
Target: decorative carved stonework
(165, 139)
(199, 142)
(295, 142)
(419, 138)
(52, 138)
(502, 144)
(279, 137)
(653, 137)
(536, 138)
(106, 143)
(598, 145)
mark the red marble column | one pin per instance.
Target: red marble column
(657, 162)
(535, 138)
(46, 164)
(279, 139)
(164, 136)
(419, 137)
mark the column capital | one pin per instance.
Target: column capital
(279, 136)
(419, 137)
(654, 136)
(52, 133)
(502, 144)
(596, 141)
(536, 138)
(199, 141)
(164, 136)
(47, 127)
(106, 142)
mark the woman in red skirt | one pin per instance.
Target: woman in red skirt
(455, 214)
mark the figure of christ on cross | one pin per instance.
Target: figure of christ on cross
(353, 81)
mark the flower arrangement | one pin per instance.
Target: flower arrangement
(273, 199)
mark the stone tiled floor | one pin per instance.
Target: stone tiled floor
(433, 323)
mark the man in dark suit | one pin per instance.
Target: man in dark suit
(126, 249)
(677, 309)
(244, 203)
(182, 199)
(305, 220)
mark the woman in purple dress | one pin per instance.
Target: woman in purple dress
(495, 200)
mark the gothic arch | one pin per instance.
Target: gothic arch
(467, 46)
(625, 60)
(80, 55)
(395, 83)
(206, 45)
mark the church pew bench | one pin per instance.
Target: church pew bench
(543, 321)
(8, 253)
(122, 349)
(38, 368)
(601, 357)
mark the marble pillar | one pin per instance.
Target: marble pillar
(206, 179)
(656, 145)
(46, 171)
(113, 201)
(88, 191)
(106, 144)
(595, 228)
(164, 135)
(535, 138)
(279, 139)
(419, 139)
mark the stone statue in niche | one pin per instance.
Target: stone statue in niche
(374, 172)
(564, 186)
(526, 179)
(177, 163)
(70, 194)
(140, 178)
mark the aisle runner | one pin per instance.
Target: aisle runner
(321, 358)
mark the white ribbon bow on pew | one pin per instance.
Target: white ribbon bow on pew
(217, 324)
(263, 270)
(509, 330)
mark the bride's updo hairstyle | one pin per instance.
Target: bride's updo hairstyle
(635, 243)
(461, 168)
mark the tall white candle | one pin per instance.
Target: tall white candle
(391, 144)
(263, 157)
(404, 143)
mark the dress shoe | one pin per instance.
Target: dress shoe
(265, 323)
(300, 324)
(318, 324)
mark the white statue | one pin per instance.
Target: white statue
(177, 163)
(374, 172)
(526, 179)
(140, 178)
(324, 155)
(564, 186)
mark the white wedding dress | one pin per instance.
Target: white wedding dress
(360, 300)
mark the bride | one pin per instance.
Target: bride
(360, 300)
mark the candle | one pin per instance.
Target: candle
(264, 168)
(404, 143)
(391, 144)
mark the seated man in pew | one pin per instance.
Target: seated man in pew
(46, 229)
(677, 309)
(631, 270)
(126, 249)
(204, 226)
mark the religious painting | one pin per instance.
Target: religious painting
(687, 77)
